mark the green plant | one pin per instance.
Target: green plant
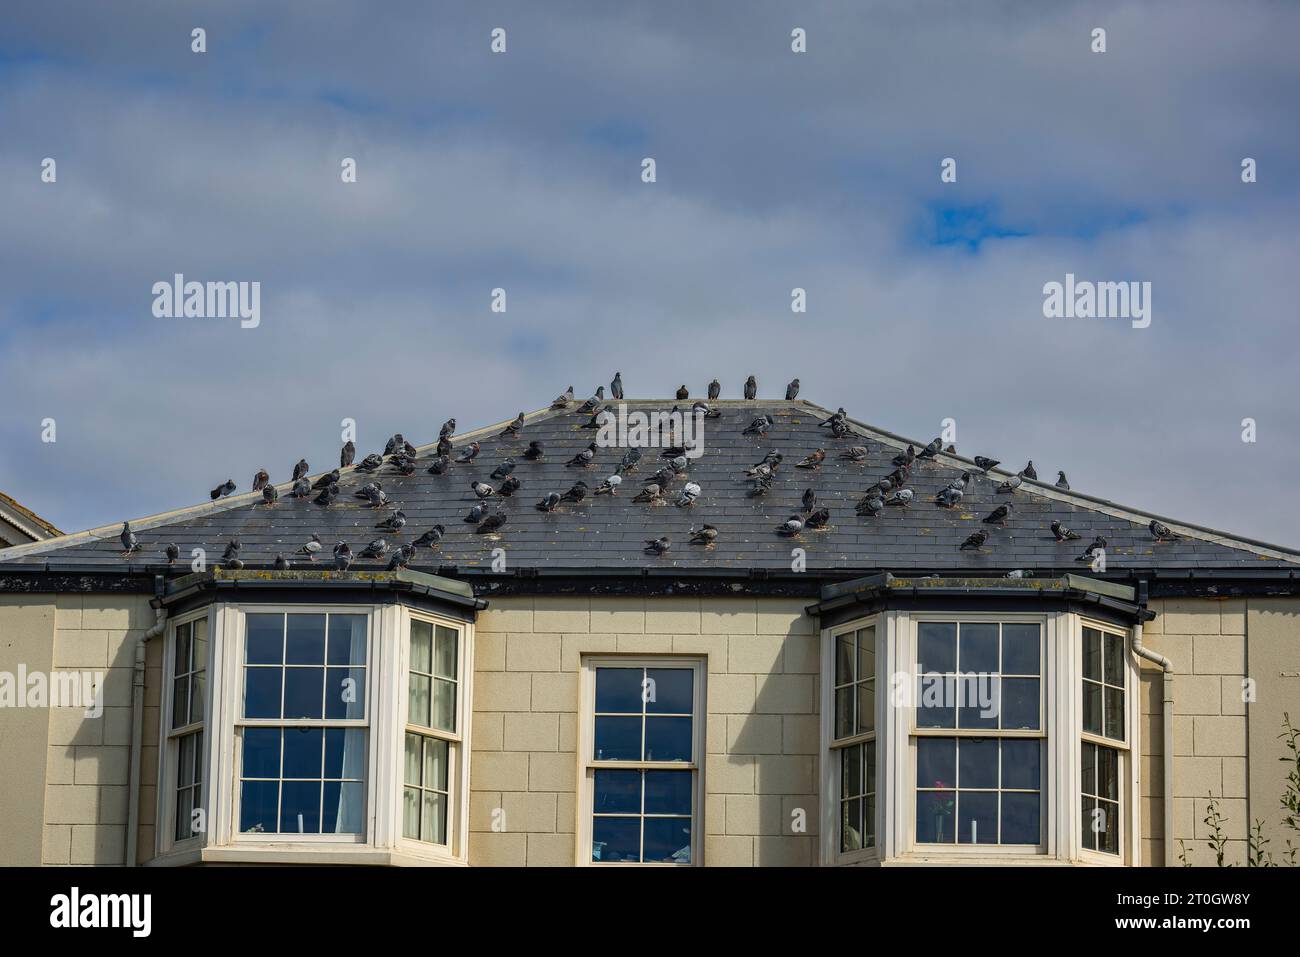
(1291, 795)
(1217, 841)
(1256, 856)
(1182, 854)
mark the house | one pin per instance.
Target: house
(554, 692)
(19, 525)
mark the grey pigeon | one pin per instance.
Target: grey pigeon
(1089, 553)
(648, 494)
(904, 459)
(791, 526)
(468, 453)
(172, 553)
(364, 491)
(871, 506)
(609, 486)
(439, 465)
(975, 540)
(838, 416)
(504, 469)
(1010, 485)
(856, 453)
(998, 516)
(376, 549)
(130, 544)
(1028, 471)
(401, 557)
(394, 522)
(477, 513)
(280, 564)
(759, 426)
(370, 463)
(792, 390)
(948, 498)
(818, 519)
(809, 500)
(232, 550)
(515, 427)
(327, 496)
(325, 481)
(616, 387)
(751, 388)
(630, 458)
(931, 450)
(690, 492)
(813, 461)
(705, 536)
(301, 488)
(585, 457)
(269, 495)
(594, 403)
(715, 389)
(1161, 532)
(378, 497)
(762, 485)
(312, 548)
(535, 450)
(260, 480)
(683, 393)
(901, 499)
(448, 428)
(549, 503)
(492, 523)
(300, 469)
(342, 556)
(1061, 482)
(509, 487)
(657, 546)
(347, 454)
(576, 493)
(984, 464)
(225, 488)
(1062, 533)
(482, 489)
(431, 538)
(702, 409)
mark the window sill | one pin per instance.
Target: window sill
(358, 855)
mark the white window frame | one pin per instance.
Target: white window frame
(166, 841)
(1061, 800)
(587, 765)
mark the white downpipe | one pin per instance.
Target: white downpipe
(137, 736)
(1167, 727)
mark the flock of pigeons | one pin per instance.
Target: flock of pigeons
(400, 457)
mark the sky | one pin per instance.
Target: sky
(775, 170)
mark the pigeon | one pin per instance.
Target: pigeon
(401, 557)
(616, 387)
(871, 506)
(439, 465)
(311, 549)
(509, 487)
(597, 420)
(448, 428)
(172, 553)
(818, 519)
(394, 444)
(225, 488)
(280, 564)
(840, 429)
(1161, 532)
(269, 494)
(585, 457)
(856, 453)
(904, 459)
(690, 492)
(1020, 573)
(327, 496)
(260, 480)
(365, 490)
(657, 546)
(468, 453)
(792, 390)
(791, 526)
(431, 538)
(534, 451)
(342, 556)
(325, 481)
(1062, 533)
(515, 427)
(444, 447)
(931, 450)
(549, 503)
(813, 461)
(1028, 471)
(594, 403)
(378, 497)
(482, 489)
(959, 484)
(394, 522)
(975, 540)
(767, 466)
(301, 488)
(678, 464)
(376, 549)
(347, 454)
(576, 493)
(809, 500)
(751, 388)
(630, 459)
(949, 498)
(705, 536)
(715, 390)
(702, 409)
(370, 463)
(648, 494)
(1089, 553)
(1061, 482)
(491, 523)
(759, 426)
(504, 469)
(998, 516)
(984, 464)
(762, 485)
(232, 550)
(663, 478)
(609, 486)
(300, 469)
(562, 400)
(1010, 485)
(130, 544)
(901, 499)
(682, 393)
(839, 415)
(477, 513)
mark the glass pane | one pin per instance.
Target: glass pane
(184, 813)
(1108, 821)
(303, 751)
(979, 649)
(936, 762)
(1108, 773)
(668, 840)
(1091, 707)
(977, 763)
(262, 692)
(616, 839)
(668, 792)
(666, 739)
(344, 811)
(411, 812)
(444, 704)
(433, 818)
(304, 692)
(850, 772)
(419, 700)
(347, 640)
(185, 761)
(199, 650)
(259, 803)
(197, 684)
(444, 660)
(180, 702)
(936, 699)
(1114, 660)
(866, 653)
(198, 757)
(1020, 703)
(1089, 822)
(1020, 820)
(867, 706)
(844, 712)
(1088, 768)
(1021, 765)
(435, 764)
(345, 753)
(978, 702)
(869, 821)
(345, 693)
(977, 817)
(936, 646)
(182, 650)
(1114, 713)
(422, 646)
(413, 760)
(305, 640)
(1021, 652)
(617, 792)
(300, 807)
(844, 659)
(851, 825)
(265, 641)
(934, 816)
(670, 690)
(1092, 654)
(261, 753)
(618, 739)
(618, 690)
(869, 767)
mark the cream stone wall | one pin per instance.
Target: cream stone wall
(26, 641)
(760, 722)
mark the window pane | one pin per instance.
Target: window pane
(1088, 768)
(180, 702)
(934, 815)
(1108, 773)
(1091, 707)
(1114, 660)
(866, 653)
(303, 749)
(1021, 764)
(435, 764)
(1020, 703)
(977, 764)
(668, 840)
(411, 813)
(444, 659)
(618, 739)
(977, 817)
(844, 659)
(617, 792)
(261, 753)
(433, 818)
(844, 712)
(1108, 821)
(936, 697)
(670, 690)
(184, 813)
(1020, 818)
(618, 690)
(347, 640)
(344, 811)
(413, 761)
(305, 640)
(1092, 654)
(1089, 822)
(979, 648)
(616, 839)
(1114, 713)
(978, 704)
(345, 693)
(666, 739)
(936, 646)
(197, 685)
(444, 704)
(182, 650)
(851, 825)
(262, 692)
(866, 706)
(668, 792)
(1021, 652)
(300, 807)
(345, 753)
(185, 761)
(850, 772)
(304, 692)
(422, 646)
(259, 803)
(419, 700)
(264, 644)
(936, 762)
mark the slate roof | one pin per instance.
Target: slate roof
(608, 532)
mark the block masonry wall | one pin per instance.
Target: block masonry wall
(761, 721)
